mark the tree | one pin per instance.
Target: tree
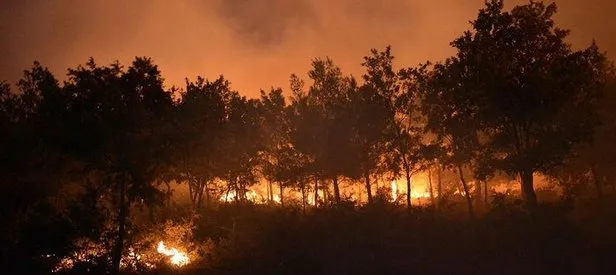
(372, 107)
(304, 126)
(31, 140)
(517, 83)
(34, 168)
(200, 116)
(282, 163)
(240, 144)
(411, 154)
(275, 127)
(598, 157)
(118, 130)
(324, 125)
(456, 136)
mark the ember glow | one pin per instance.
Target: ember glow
(419, 189)
(129, 261)
(176, 257)
(88, 251)
(259, 192)
(251, 195)
(276, 199)
(394, 190)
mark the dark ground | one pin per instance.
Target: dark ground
(383, 239)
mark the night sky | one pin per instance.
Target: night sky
(254, 43)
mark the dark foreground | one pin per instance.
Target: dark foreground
(382, 240)
(387, 239)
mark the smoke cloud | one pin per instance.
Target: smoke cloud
(254, 43)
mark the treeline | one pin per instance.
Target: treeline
(514, 99)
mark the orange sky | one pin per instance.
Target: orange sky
(254, 43)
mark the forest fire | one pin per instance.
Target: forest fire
(259, 192)
(176, 257)
(419, 190)
(251, 195)
(131, 261)
(499, 156)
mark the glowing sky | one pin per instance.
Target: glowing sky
(254, 43)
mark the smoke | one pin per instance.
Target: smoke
(265, 23)
(254, 43)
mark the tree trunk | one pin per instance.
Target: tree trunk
(242, 190)
(207, 193)
(191, 191)
(485, 192)
(281, 194)
(597, 181)
(528, 190)
(270, 191)
(368, 187)
(336, 190)
(200, 187)
(407, 173)
(196, 188)
(439, 186)
(316, 191)
(236, 187)
(168, 194)
(303, 189)
(228, 192)
(469, 201)
(326, 195)
(478, 198)
(430, 185)
(122, 214)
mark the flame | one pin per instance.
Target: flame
(420, 195)
(415, 193)
(310, 197)
(394, 190)
(176, 257)
(251, 195)
(259, 193)
(276, 199)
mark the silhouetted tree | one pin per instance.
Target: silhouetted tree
(599, 156)
(324, 123)
(200, 118)
(456, 135)
(240, 144)
(372, 108)
(118, 130)
(304, 126)
(516, 81)
(34, 168)
(282, 163)
(411, 151)
(276, 137)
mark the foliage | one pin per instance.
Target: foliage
(517, 84)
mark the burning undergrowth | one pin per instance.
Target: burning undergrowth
(168, 245)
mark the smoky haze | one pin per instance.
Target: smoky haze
(254, 43)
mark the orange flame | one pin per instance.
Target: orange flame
(176, 257)
(394, 190)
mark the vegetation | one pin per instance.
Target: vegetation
(89, 164)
